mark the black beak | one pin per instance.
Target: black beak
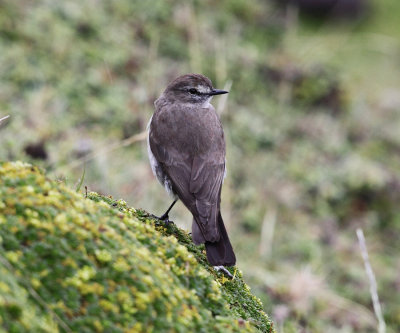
(217, 92)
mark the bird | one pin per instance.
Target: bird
(186, 148)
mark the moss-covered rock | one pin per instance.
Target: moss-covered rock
(75, 264)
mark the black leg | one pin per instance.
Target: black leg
(165, 216)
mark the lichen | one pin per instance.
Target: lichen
(94, 265)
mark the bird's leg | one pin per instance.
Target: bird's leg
(165, 216)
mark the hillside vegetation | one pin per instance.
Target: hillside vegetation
(75, 264)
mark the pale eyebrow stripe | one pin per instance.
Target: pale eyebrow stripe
(202, 89)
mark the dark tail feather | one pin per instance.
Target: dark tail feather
(220, 253)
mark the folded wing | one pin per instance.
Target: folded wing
(197, 181)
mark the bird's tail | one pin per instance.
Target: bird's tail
(220, 253)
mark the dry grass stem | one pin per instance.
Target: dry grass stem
(224, 98)
(372, 281)
(267, 233)
(4, 118)
(105, 150)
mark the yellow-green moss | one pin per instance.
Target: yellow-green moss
(94, 264)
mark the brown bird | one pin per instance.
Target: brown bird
(186, 148)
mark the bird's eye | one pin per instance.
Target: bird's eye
(193, 91)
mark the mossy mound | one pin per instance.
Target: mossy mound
(75, 264)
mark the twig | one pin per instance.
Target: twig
(104, 150)
(372, 282)
(4, 118)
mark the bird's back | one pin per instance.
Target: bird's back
(189, 130)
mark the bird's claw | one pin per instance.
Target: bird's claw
(167, 221)
(164, 218)
(224, 271)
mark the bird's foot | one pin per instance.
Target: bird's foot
(164, 218)
(224, 271)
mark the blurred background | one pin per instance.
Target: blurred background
(312, 127)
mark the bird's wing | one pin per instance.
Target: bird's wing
(197, 182)
(205, 184)
(174, 165)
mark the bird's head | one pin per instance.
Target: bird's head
(191, 88)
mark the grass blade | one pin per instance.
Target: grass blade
(78, 187)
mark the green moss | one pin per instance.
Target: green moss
(94, 264)
(17, 314)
